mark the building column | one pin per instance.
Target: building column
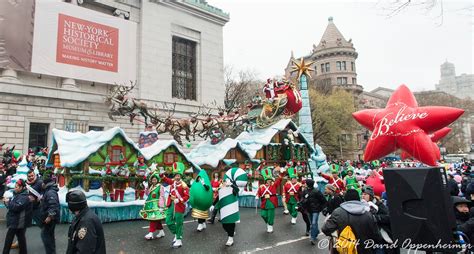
(69, 84)
(10, 76)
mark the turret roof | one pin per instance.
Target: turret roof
(332, 38)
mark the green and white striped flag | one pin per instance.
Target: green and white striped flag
(228, 202)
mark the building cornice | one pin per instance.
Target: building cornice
(193, 8)
(334, 52)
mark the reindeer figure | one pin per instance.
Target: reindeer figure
(121, 104)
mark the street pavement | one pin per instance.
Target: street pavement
(251, 237)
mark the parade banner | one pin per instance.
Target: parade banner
(75, 42)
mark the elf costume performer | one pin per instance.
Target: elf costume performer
(228, 201)
(351, 180)
(154, 209)
(268, 199)
(285, 206)
(200, 199)
(290, 193)
(107, 184)
(142, 170)
(215, 183)
(334, 178)
(179, 195)
(121, 184)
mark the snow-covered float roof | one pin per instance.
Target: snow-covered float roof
(207, 154)
(161, 145)
(254, 140)
(75, 147)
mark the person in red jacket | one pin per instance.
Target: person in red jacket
(267, 194)
(290, 193)
(179, 195)
(215, 184)
(334, 179)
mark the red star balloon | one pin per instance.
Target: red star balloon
(435, 137)
(405, 125)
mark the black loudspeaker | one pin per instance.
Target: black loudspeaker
(421, 210)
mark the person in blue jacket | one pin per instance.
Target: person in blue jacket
(49, 212)
(18, 217)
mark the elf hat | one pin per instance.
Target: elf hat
(107, 160)
(267, 173)
(292, 173)
(350, 168)
(178, 168)
(156, 175)
(334, 168)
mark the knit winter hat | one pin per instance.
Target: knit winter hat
(351, 194)
(368, 190)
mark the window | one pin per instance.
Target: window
(169, 158)
(343, 65)
(354, 81)
(352, 66)
(338, 65)
(327, 67)
(322, 68)
(184, 69)
(75, 126)
(38, 135)
(116, 155)
(341, 80)
(96, 128)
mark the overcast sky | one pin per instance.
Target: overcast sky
(407, 48)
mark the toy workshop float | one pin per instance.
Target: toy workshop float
(111, 169)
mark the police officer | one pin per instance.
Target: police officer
(85, 233)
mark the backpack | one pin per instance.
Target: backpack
(346, 242)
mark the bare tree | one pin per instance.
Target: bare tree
(238, 90)
(395, 7)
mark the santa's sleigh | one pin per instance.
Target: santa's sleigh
(286, 103)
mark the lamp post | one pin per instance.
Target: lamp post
(340, 145)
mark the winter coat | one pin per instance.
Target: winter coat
(453, 187)
(86, 234)
(333, 203)
(467, 227)
(50, 202)
(464, 183)
(354, 214)
(3, 177)
(313, 200)
(382, 216)
(19, 211)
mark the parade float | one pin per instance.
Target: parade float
(110, 168)
(263, 136)
(277, 144)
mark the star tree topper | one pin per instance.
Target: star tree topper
(405, 125)
(301, 68)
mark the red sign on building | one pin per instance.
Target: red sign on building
(88, 44)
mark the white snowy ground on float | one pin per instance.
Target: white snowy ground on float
(94, 198)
